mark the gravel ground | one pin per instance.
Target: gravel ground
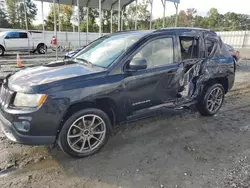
(179, 149)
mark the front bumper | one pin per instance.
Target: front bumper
(11, 133)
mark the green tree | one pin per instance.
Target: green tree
(93, 14)
(169, 22)
(16, 13)
(106, 16)
(182, 18)
(12, 9)
(1, 4)
(233, 21)
(157, 24)
(4, 23)
(214, 19)
(143, 16)
(65, 18)
(31, 12)
(201, 22)
(3, 19)
(66, 14)
(187, 18)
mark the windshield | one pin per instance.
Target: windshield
(104, 51)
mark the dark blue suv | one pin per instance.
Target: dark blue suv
(117, 78)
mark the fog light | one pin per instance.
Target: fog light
(23, 126)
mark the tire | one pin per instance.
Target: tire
(75, 140)
(207, 101)
(41, 49)
(2, 50)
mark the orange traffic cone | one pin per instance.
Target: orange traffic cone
(18, 61)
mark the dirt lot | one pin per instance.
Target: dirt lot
(179, 149)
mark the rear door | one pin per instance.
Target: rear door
(24, 41)
(193, 55)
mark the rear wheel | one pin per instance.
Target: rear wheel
(1, 51)
(211, 100)
(85, 133)
(41, 49)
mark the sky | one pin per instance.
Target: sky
(202, 6)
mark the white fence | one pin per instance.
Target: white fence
(237, 39)
(65, 39)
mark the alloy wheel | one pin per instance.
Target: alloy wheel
(42, 50)
(214, 100)
(86, 133)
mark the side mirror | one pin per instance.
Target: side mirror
(7, 37)
(138, 64)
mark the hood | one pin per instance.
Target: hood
(26, 79)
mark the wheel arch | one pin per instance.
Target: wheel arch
(107, 105)
(3, 47)
(41, 43)
(220, 80)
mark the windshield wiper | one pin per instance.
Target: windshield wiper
(85, 61)
(89, 63)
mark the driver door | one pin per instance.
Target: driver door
(159, 82)
(16, 41)
(12, 41)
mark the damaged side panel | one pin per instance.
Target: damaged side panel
(218, 63)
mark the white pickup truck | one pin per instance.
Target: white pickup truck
(21, 41)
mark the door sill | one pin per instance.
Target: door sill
(157, 110)
(151, 111)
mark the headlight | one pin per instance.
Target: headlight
(29, 100)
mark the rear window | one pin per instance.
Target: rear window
(23, 35)
(211, 46)
(216, 48)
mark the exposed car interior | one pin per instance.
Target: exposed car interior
(189, 48)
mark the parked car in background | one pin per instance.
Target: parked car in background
(70, 54)
(22, 41)
(118, 78)
(235, 54)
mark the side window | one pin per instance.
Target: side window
(23, 35)
(189, 47)
(157, 53)
(212, 47)
(209, 46)
(12, 35)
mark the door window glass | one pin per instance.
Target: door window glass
(213, 47)
(23, 35)
(157, 53)
(210, 45)
(12, 35)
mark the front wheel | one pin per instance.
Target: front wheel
(1, 51)
(211, 100)
(85, 133)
